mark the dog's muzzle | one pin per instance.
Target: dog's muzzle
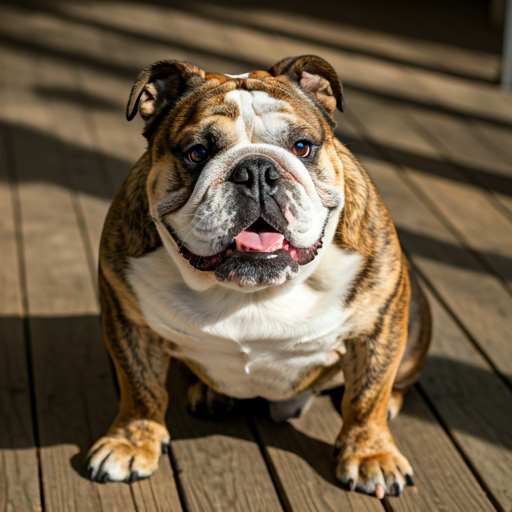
(259, 253)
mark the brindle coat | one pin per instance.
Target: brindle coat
(379, 358)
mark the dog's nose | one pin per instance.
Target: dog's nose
(256, 173)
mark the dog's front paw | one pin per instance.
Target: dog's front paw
(128, 454)
(371, 463)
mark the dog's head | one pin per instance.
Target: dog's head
(245, 181)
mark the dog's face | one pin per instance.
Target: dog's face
(245, 178)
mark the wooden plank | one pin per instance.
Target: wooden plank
(478, 299)
(19, 468)
(498, 141)
(142, 33)
(473, 403)
(218, 462)
(82, 164)
(497, 138)
(300, 453)
(456, 141)
(443, 480)
(463, 97)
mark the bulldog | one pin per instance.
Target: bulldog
(250, 244)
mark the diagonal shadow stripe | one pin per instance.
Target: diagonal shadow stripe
(250, 64)
(448, 170)
(454, 255)
(304, 38)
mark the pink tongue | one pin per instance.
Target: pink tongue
(265, 241)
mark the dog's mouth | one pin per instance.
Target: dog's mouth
(262, 238)
(260, 250)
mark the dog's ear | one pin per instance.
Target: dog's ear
(314, 75)
(159, 86)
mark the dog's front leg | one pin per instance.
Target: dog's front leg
(131, 449)
(368, 459)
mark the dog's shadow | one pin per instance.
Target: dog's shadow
(310, 437)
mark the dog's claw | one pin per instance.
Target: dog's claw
(103, 478)
(373, 473)
(409, 479)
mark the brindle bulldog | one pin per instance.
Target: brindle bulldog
(249, 243)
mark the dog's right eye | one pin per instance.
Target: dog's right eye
(198, 154)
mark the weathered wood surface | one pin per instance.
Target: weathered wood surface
(432, 130)
(443, 480)
(218, 462)
(19, 487)
(434, 159)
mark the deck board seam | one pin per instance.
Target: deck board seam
(179, 487)
(12, 176)
(272, 470)
(458, 447)
(459, 324)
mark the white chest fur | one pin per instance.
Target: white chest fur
(249, 344)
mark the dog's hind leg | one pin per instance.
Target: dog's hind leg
(204, 401)
(285, 409)
(419, 332)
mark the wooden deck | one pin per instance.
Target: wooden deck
(429, 124)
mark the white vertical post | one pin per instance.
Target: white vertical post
(506, 63)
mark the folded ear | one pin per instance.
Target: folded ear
(314, 75)
(159, 86)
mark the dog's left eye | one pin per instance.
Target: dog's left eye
(198, 154)
(302, 148)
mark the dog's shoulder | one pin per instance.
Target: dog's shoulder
(365, 224)
(366, 227)
(129, 230)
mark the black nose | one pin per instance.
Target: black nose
(256, 174)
